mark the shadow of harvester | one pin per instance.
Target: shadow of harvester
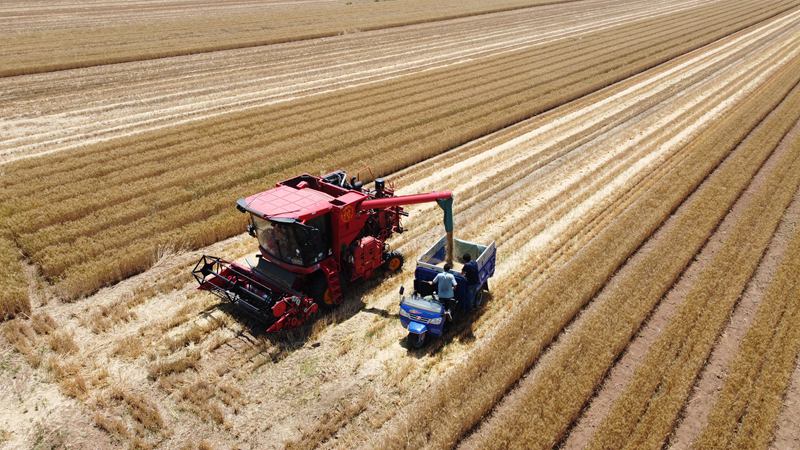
(288, 341)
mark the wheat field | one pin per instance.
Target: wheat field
(636, 163)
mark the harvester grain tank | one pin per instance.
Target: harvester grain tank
(317, 236)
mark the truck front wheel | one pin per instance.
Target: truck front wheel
(417, 340)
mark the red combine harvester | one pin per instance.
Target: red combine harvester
(316, 235)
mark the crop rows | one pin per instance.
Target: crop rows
(306, 107)
(58, 111)
(507, 169)
(178, 190)
(468, 392)
(312, 106)
(183, 367)
(646, 411)
(509, 184)
(14, 292)
(506, 172)
(514, 187)
(596, 334)
(505, 188)
(584, 201)
(41, 114)
(39, 47)
(710, 381)
(746, 411)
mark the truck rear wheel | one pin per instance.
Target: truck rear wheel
(478, 300)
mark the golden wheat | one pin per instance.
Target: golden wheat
(14, 298)
(481, 380)
(141, 408)
(111, 425)
(646, 411)
(45, 48)
(745, 414)
(113, 208)
(621, 308)
(178, 364)
(108, 243)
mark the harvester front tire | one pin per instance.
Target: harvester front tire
(320, 291)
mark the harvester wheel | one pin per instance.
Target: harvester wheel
(320, 291)
(394, 261)
(327, 297)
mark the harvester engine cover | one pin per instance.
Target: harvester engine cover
(368, 256)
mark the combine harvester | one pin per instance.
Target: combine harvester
(316, 235)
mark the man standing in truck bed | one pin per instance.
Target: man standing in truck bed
(445, 284)
(470, 272)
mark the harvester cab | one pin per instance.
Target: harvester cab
(316, 236)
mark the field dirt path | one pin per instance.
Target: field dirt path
(60, 110)
(708, 385)
(702, 399)
(787, 434)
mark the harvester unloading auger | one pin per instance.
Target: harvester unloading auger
(316, 236)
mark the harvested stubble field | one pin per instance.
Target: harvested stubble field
(639, 170)
(48, 36)
(68, 109)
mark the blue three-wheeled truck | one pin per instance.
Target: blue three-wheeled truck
(422, 313)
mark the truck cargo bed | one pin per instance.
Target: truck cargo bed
(432, 261)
